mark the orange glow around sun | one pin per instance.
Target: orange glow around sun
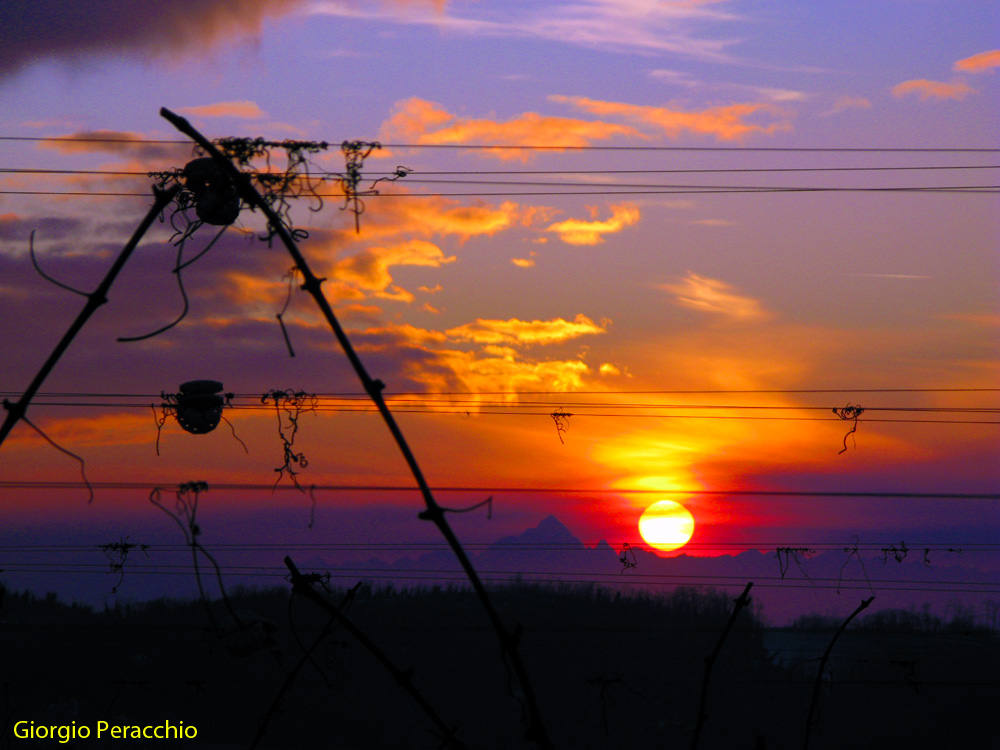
(666, 525)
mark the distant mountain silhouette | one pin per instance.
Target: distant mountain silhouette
(785, 586)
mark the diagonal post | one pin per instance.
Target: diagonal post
(17, 409)
(742, 602)
(404, 678)
(810, 719)
(433, 512)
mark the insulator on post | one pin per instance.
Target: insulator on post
(216, 199)
(199, 406)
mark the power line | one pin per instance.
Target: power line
(956, 190)
(531, 576)
(582, 547)
(487, 489)
(433, 404)
(468, 413)
(417, 174)
(724, 149)
(503, 146)
(390, 393)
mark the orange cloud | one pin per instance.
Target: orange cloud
(120, 142)
(523, 262)
(495, 368)
(927, 90)
(394, 216)
(369, 269)
(404, 334)
(580, 232)
(500, 370)
(420, 121)
(516, 331)
(716, 297)
(851, 102)
(978, 63)
(727, 123)
(242, 110)
(103, 429)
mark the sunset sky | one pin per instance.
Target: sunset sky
(706, 225)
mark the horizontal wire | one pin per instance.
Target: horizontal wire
(509, 412)
(631, 579)
(416, 174)
(390, 393)
(230, 486)
(144, 566)
(956, 190)
(458, 406)
(582, 546)
(916, 551)
(736, 149)
(637, 186)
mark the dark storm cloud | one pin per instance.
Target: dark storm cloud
(34, 30)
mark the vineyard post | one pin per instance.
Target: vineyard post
(433, 512)
(743, 601)
(822, 666)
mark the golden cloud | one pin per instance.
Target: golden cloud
(427, 216)
(978, 63)
(419, 121)
(523, 262)
(369, 269)
(516, 331)
(716, 297)
(241, 110)
(927, 90)
(500, 370)
(579, 232)
(726, 123)
(399, 335)
(495, 368)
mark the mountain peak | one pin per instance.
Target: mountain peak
(550, 532)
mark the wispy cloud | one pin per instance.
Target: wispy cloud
(928, 90)
(644, 26)
(118, 142)
(887, 275)
(725, 123)
(523, 332)
(684, 79)
(715, 297)
(240, 110)
(583, 232)
(978, 63)
(847, 101)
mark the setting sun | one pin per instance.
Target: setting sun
(666, 525)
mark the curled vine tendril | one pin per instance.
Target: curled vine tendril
(289, 406)
(849, 413)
